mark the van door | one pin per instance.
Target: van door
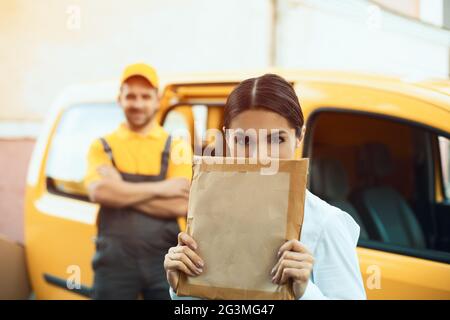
(60, 220)
(392, 177)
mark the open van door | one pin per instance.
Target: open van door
(60, 221)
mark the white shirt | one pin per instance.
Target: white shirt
(331, 235)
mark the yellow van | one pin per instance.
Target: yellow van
(379, 148)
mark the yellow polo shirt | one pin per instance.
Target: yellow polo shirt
(136, 153)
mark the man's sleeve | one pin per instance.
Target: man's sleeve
(96, 157)
(180, 162)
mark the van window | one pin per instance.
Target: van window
(78, 127)
(381, 172)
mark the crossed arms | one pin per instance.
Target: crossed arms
(162, 199)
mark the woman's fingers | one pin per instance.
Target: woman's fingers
(289, 264)
(194, 257)
(300, 275)
(186, 257)
(290, 255)
(293, 245)
(185, 239)
(183, 257)
(177, 265)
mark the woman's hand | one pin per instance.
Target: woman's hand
(182, 258)
(295, 263)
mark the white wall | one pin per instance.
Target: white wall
(357, 35)
(44, 47)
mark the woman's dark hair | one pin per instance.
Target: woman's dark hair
(270, 92)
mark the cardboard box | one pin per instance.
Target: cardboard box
(14, 281)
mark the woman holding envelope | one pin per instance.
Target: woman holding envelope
(323, 263)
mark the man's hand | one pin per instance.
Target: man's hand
(295, 263)
(109, 172)
(171, 188)
(171, 201)
(164, 207)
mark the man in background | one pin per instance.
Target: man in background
(141, 193)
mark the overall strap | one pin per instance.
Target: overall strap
(108, 150)
(165, 157)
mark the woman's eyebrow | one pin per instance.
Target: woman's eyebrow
(279, 132)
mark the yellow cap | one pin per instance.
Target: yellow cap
(143, 70)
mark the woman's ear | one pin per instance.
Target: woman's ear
(302, 135)
(225, 133)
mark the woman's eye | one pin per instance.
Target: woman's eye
(277, 139)
(242, 141)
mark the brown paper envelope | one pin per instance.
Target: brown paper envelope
(240, 218)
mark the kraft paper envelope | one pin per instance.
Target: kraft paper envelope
(240, 218)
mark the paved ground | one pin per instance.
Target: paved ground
(14, 157)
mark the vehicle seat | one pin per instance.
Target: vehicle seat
(393, 219)
(330, 182)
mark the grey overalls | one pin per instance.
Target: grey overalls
(131, 246)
